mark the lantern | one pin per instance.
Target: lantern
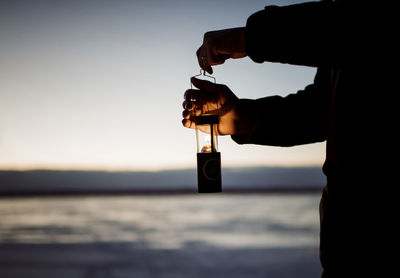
(208, 158)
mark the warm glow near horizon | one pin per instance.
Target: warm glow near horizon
(99, 84)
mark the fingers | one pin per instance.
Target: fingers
(202, 59)
(194, 105)
(188, 118)
(186, 114)
(187, 105)
(194, 99)
(191, 95)
(188, 123)
(211, 52)
(206, 58)
(199, 101)
(191, 108)
(206, 92)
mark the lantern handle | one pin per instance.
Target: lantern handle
(203, 73)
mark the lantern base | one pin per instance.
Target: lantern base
(209, 172)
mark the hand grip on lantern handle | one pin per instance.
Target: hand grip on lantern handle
(203, 73)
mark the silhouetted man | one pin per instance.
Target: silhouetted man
(348, 105)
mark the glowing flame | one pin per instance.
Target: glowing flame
(207, 144)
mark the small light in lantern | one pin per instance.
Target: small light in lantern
(207, 144)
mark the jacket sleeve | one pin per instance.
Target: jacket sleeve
(296, 119)
(312, 34)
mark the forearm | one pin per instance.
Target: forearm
(299, 118)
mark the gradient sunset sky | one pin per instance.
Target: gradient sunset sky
(99, 84)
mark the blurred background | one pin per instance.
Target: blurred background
(97, 174)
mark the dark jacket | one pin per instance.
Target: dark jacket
(348, 105)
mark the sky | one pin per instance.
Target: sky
(100, 84)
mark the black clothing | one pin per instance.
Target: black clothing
(348, 105)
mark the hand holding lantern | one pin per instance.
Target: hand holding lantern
(211, 99)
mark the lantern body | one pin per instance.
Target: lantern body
(208, 158)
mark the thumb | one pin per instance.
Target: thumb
(204, 85)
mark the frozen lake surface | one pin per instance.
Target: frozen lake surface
(223, 235)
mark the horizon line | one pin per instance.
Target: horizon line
(147, 169)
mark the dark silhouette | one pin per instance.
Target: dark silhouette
(349, 106)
